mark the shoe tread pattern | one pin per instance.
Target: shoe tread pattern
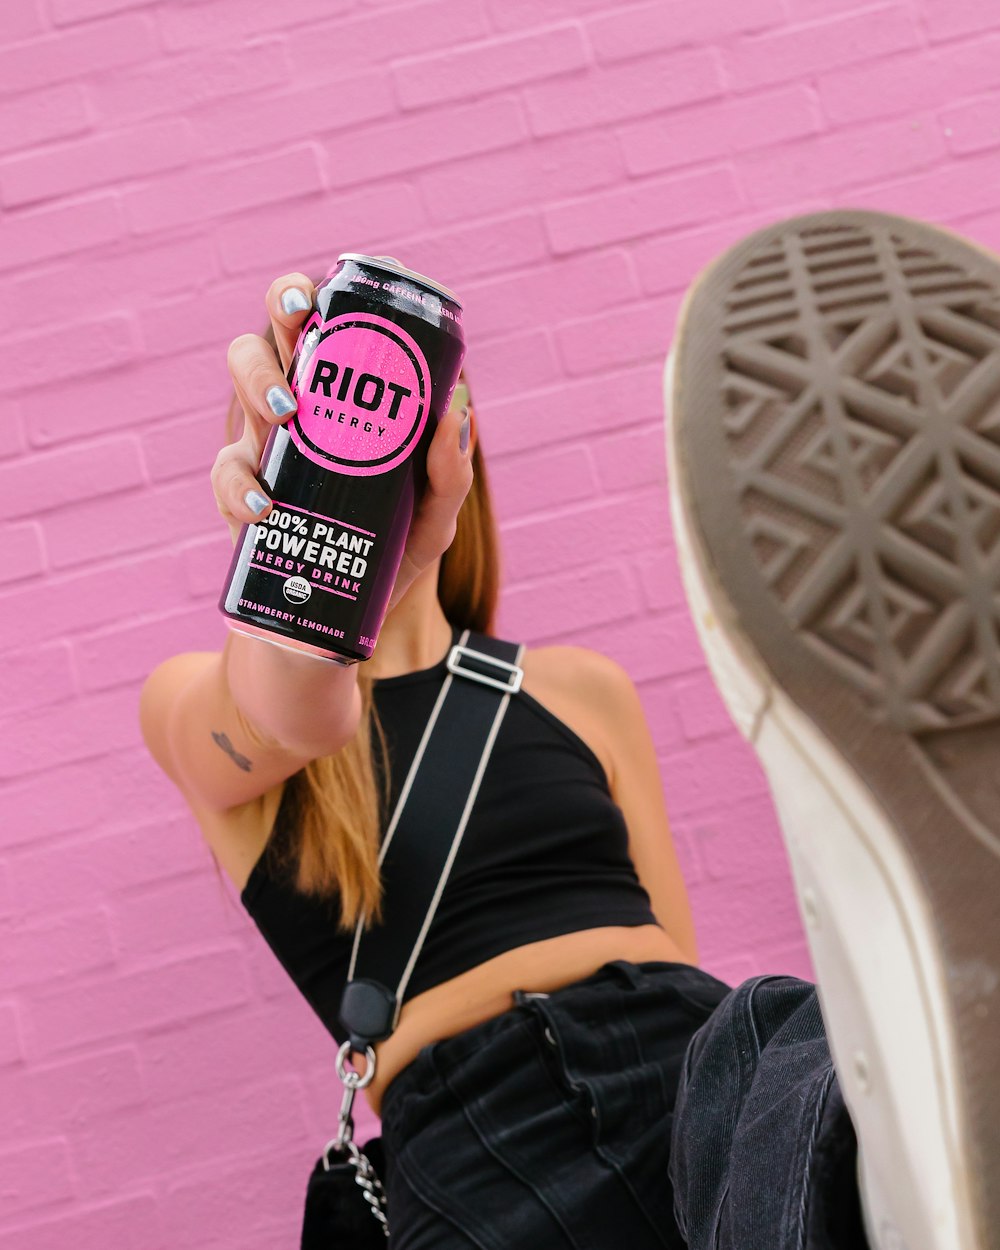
(861, 393)
(836, 404)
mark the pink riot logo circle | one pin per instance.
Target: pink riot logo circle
(363, 391)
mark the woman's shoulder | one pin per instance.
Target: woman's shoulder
(577, 684)
(584, 669)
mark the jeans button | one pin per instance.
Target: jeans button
(548, 1036)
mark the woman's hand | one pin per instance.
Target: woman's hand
(259, 381)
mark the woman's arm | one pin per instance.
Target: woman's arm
(637, 788)
(228, 725)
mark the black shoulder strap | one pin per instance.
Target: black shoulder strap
(426, 829)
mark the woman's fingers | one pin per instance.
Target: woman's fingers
(258, 380)
(239, 496)
(289, 302)
(260, 377)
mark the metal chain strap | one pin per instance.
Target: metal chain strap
(364, 1173)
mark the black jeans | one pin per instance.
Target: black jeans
(646, 1105)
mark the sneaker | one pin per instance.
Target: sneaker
(833, 412)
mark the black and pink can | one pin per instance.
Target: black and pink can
(373, 372)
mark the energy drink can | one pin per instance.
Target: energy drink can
(373, 372)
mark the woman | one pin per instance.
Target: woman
(539, 1088)
(308, 733)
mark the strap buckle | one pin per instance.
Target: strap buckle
(512, 683)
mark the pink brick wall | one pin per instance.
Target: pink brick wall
(568, 165)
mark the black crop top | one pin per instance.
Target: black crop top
(545, 852)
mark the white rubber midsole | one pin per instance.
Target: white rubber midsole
(881, 983)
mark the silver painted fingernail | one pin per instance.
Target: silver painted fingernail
(280, 401)
(294, 300)
(255, 501)
(463, 433)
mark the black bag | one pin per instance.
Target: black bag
(333, 1216)
(345, 1198)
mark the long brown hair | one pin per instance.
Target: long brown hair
(336, 804)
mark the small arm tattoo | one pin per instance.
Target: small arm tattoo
(240, 761)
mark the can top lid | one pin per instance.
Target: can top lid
(391, 265)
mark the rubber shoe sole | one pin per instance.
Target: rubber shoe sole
(833, 417)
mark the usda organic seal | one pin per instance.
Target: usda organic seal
(296, 589)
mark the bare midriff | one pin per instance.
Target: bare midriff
(487, 989)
